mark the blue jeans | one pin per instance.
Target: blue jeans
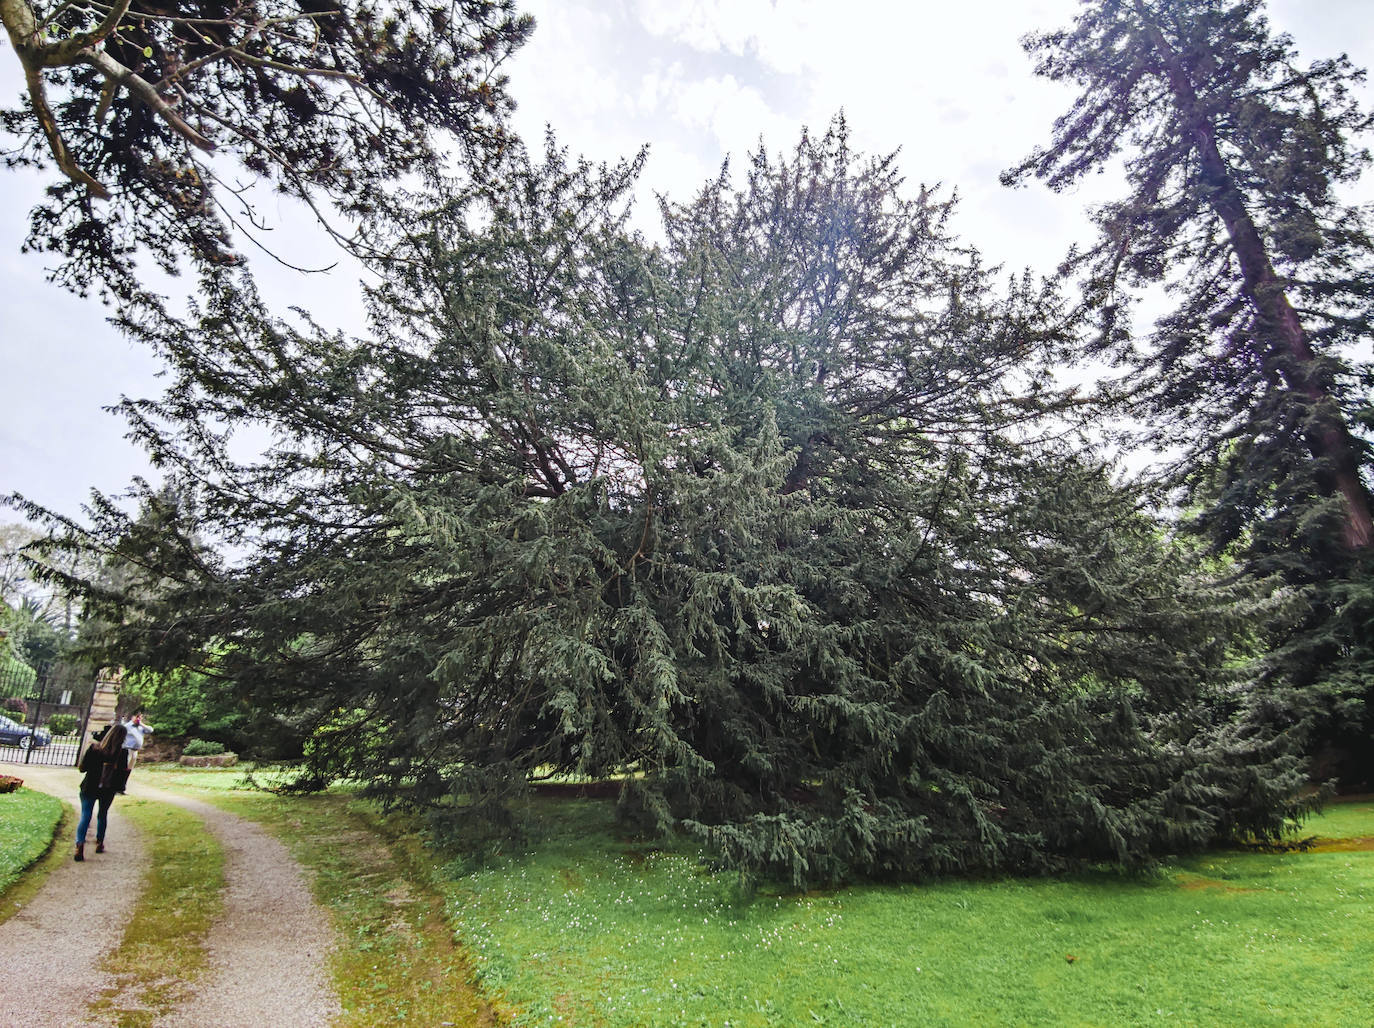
(89, 803)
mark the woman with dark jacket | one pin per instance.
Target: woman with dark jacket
(105, 764)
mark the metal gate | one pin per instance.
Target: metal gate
(43, 712)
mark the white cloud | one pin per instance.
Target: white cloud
(735, 114)
(653, 88)
(671, 171)
(781, 33)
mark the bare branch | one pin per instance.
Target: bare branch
(38, 96)
(302, 192)
(57, 13)
(261, 62)
(69, 50)
(107, 95)
(295, 69)
(142, 89)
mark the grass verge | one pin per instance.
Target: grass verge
(163, 951)
(395, 960)
(30, 822)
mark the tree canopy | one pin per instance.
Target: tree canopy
(168, 121)
(781, 524)
(38, 624)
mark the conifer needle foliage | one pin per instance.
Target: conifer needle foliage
(167, 125)
(1257, 378)
(779, 523)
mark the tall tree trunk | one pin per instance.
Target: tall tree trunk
(1329, 440)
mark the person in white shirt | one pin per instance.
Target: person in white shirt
(135, 732)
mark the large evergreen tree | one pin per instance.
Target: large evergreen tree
(1235, 156)
(768, 520)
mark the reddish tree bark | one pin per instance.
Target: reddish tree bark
(1330, 439)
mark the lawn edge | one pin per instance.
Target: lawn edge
(33, 876)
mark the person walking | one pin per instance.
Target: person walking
(105, 766)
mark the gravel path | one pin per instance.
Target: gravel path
(267, 949)
(50, 950)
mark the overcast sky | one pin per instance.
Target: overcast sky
(946, 83)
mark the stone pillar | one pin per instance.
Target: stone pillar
(104, 702)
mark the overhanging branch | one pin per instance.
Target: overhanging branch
(143, 90)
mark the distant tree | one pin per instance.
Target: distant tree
(769, 520)
(42, 621)
(16, 681)
(163, 119)
(182, 702)
(42, 638)
(29, 614)
(1234, 155)
(14, 573)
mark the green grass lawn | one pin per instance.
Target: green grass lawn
(589, 929)
(27, 822)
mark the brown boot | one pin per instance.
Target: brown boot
(80, 851)
(100, 845)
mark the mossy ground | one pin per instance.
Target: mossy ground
(396, 959)
(163, 951)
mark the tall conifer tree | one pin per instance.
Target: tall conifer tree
(1235, 156)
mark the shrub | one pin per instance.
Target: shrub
(62, 724)
(15, 708)
(202, 748)
(16, 678)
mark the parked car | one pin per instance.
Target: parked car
(14, 734)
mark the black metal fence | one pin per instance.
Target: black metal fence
(43, 712)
